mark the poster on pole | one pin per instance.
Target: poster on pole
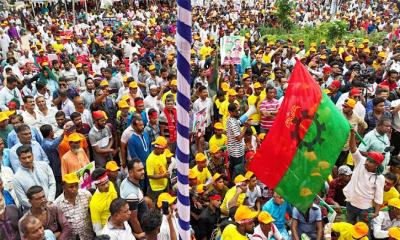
(232, 49)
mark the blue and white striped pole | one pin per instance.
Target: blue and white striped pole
(183, 43)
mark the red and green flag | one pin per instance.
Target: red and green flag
(304, 142)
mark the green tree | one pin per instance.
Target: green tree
(283, 13)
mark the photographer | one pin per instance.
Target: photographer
(169, 224)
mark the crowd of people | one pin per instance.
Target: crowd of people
(88, 122)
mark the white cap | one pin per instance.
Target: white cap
(345, 170)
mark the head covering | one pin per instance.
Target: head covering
(336, 83)
(360, 230)
(394, 202)
(99, 176)
(200, 157)
(394, 232)
(239, 179)
(168, 153)
(350, 102)
(376, 157)
(345, 170)
(219, 126)
(354, 91)
(265, 217)
(98, 115)
(244, 214)
(165, 197)
(70, 178)
(75, 137)
(112, 166)
(160, 142)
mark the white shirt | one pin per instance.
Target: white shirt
(96, 67)
(117, 233)
(33, 121)
(252, 196)
(382, 223)
(153, 102)
(364, 187)
(164, 233)
(199, 105)
(259, 235)
(50, 118)
(67, 107)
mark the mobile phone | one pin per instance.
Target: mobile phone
(165, 207)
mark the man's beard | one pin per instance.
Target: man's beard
(75, 150)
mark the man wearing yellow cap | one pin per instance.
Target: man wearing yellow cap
(386, 219)
(200, 169)
(219, 139)
(355, 121)
(76, 157)
(256, 99)
(74, 203)
(347, 230)
(156, 168)
(266, 228)
(235, 196)
(244, 224)
(223, 109)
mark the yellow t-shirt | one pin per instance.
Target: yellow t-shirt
(255, 118)
(223, 111)
(157, 165)
(100, 206)
(58, 47)
(267, 57)
(202, 176)
(228, 196)
(392, 193)
(231, 233)
(220, 142)
(164, 96)
(345, 230)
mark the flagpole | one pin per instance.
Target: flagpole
(183, 44)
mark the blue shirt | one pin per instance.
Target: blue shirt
(139, 146)
(50, 147)
(6, 158)
(13, 139)
(308, 226)
(278, 212)
(38, 155)
(8, 199)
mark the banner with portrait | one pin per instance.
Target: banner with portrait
(232, 49)
(85, 176)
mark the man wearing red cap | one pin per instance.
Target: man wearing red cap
(101, 139)
(364, 192)
(335, 92)
(209, 217)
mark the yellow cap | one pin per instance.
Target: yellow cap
(218, 125)
(323, 41)
(350, 102)
(350, 44)
(366, 50)
(244, 213)
(3, 116)
(333, 49)
(245, 75)
(348, 58)
(112, 166)
(133, 84)
(152, 67)
(240, 178)
(174, 83)
(225, 86)
(123, 104)
(366, 41)
(327, 91)
(261, 136)
(361, 46)
(381, 54)
(168, 153)
(165, 197)
(257, 85)
(313, 45)
(360, 230)
(232, 92)
(125, 98)
(75, 137)
(79, 41)
(216, 177)
(200, 157)
(79, 65)
(192, 174)
(214, 148)
(200, 188)
(323, 57)
(248, 175)
(58, 38)
(161, 142)
(313, 49)
(265, 217)
(170, 57)
(394, 232)
(300, 41)
(104, 83)
(70, 178)
(394, 202)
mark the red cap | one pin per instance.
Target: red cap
(153, 115)
(12, 104)
(376, 157)
(215, 197)
(327, 70)
(98, 115)
(354, 91)
(139, 102)
(336, 83)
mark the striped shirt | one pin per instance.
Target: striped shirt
(235, 147)
(269, 105)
